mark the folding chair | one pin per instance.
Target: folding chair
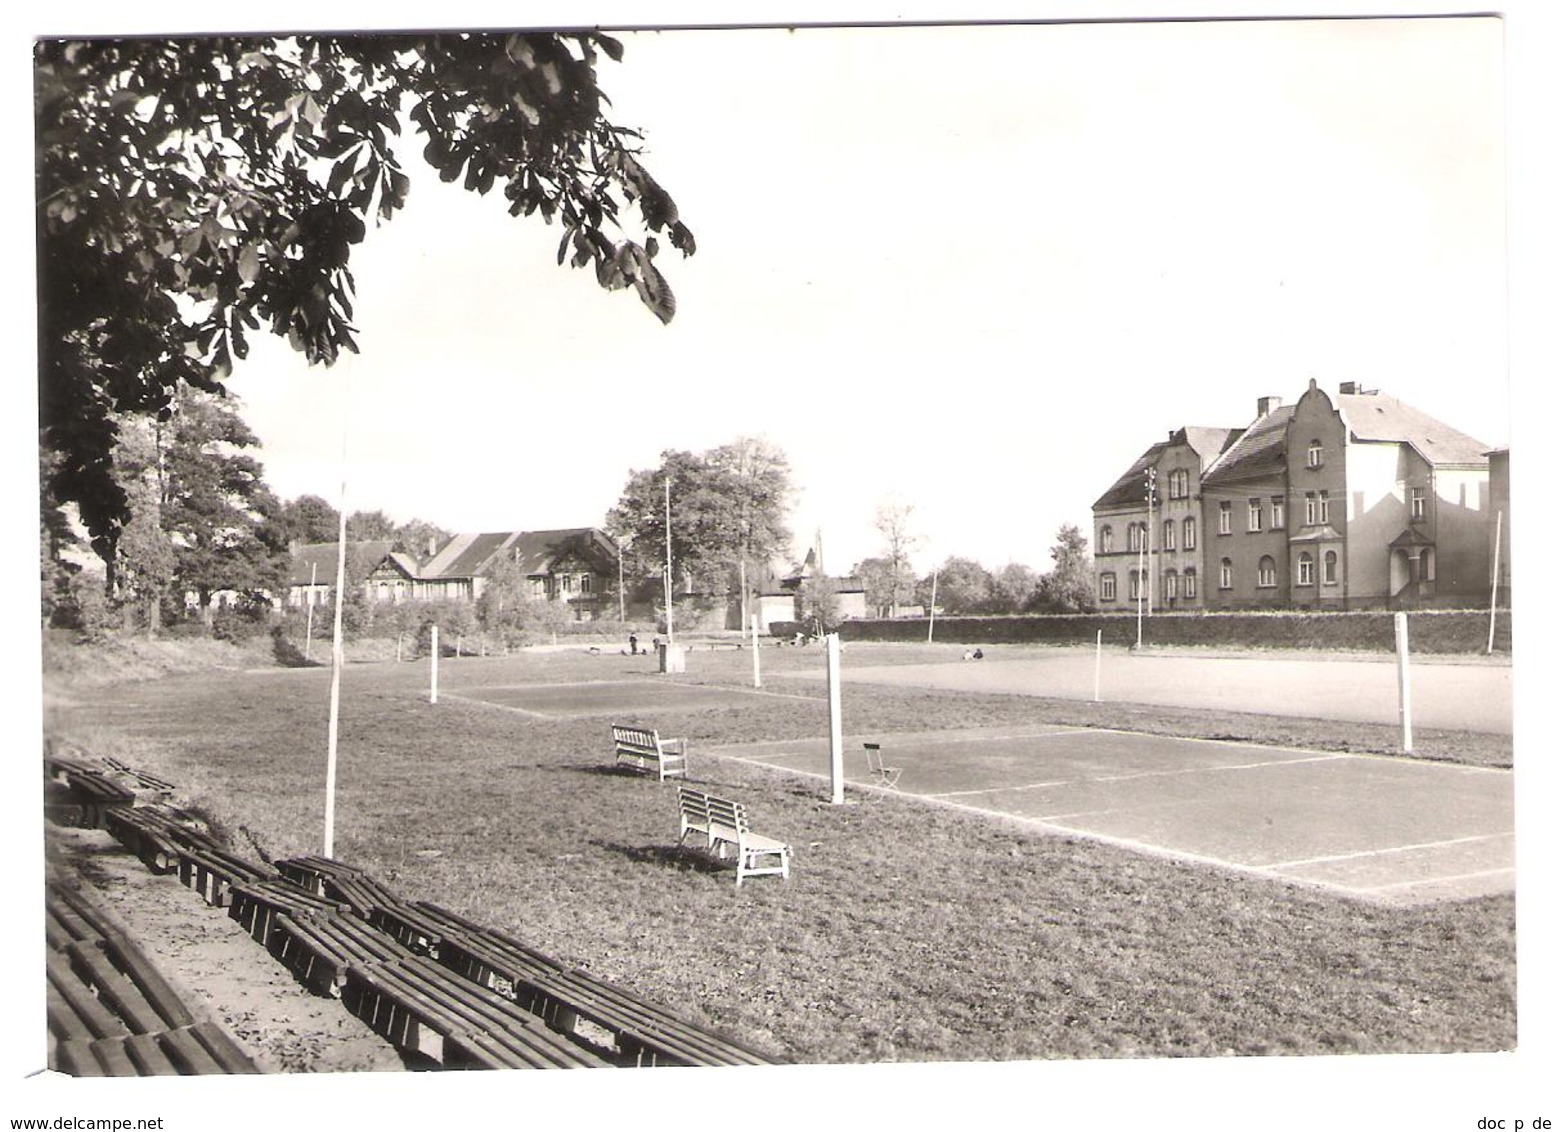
(886, 776)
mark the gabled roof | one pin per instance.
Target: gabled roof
(322, 557)
(466, 556)
(1129, 488)
(1378, 417)
(1209, 443)
(1259, 451)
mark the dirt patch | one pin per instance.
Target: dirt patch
(219, 970)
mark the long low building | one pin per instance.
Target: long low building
(578, 565)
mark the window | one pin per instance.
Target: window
(1108, 586)
(1225, 573)
(1106, 540)
(1177, 484)
(1315, 454)
(588, 583)
(1255, 515)
(1417, 504)
(1323, 507)
(1190, 583)
(1169, 535)
(1135, 538)
(1133, 585)
(1312, 509)
(1266, 573)
(1225, 518)
(1304, 569)
(539, 587)
(1277, 513)
(1169, 586)
(1331, 562)
(566, 583)
(1190, 532)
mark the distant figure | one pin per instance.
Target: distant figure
(977, 655)
(634, 645)
(972, 654)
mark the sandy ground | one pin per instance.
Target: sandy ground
(220, 971)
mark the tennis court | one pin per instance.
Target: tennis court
(1383, 829)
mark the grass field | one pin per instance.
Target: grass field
(908, 931)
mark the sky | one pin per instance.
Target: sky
(975, 270)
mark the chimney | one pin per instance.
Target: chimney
(433, 545)
(1350, 387)
(1267, 405)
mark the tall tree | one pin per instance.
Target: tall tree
(309, 518)
(755, 492)
(224, 522)
(880, 582)
(964, 586)
(1068, 587)
(1012, 588)
(726, 504)
(190, 191)
(370, 526)
(893, 521)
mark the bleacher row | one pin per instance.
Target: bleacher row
(110, 1012)
(443, 989)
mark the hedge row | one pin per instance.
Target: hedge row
(1431, 631)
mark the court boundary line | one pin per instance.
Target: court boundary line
(1268, 873)
(1329, 860)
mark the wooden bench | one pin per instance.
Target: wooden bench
(725, 823)
(644, 1033)
(319, 949)
(425, 1009)
(339, 881)
(257, 904)
(111, 1012)
(644, 750)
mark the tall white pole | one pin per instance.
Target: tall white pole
(308, 620)
(1149, 533)
(932, 604)
(1496, 565)
(832, 663)
(1402, 647)
(667, 577)
(433, 665)
(755, 639)
(1098, 666)
(1139, 604)
(336, 665)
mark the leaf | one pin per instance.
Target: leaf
(249, 264)
(610, 46)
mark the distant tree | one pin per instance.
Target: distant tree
(753, 491)
(1068, 587)
(1012, 588)
(190, 191)
(370, 526)
(964, 586)
(818, 605)
(224, 522)
(419, 539)
(727, 506)
(879, 583)
(309, 518)
(893, 521)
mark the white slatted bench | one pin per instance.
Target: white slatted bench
(646, 751)
(725, 823)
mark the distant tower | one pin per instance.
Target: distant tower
(818, 551)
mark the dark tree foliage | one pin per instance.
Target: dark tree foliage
(192, 191)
